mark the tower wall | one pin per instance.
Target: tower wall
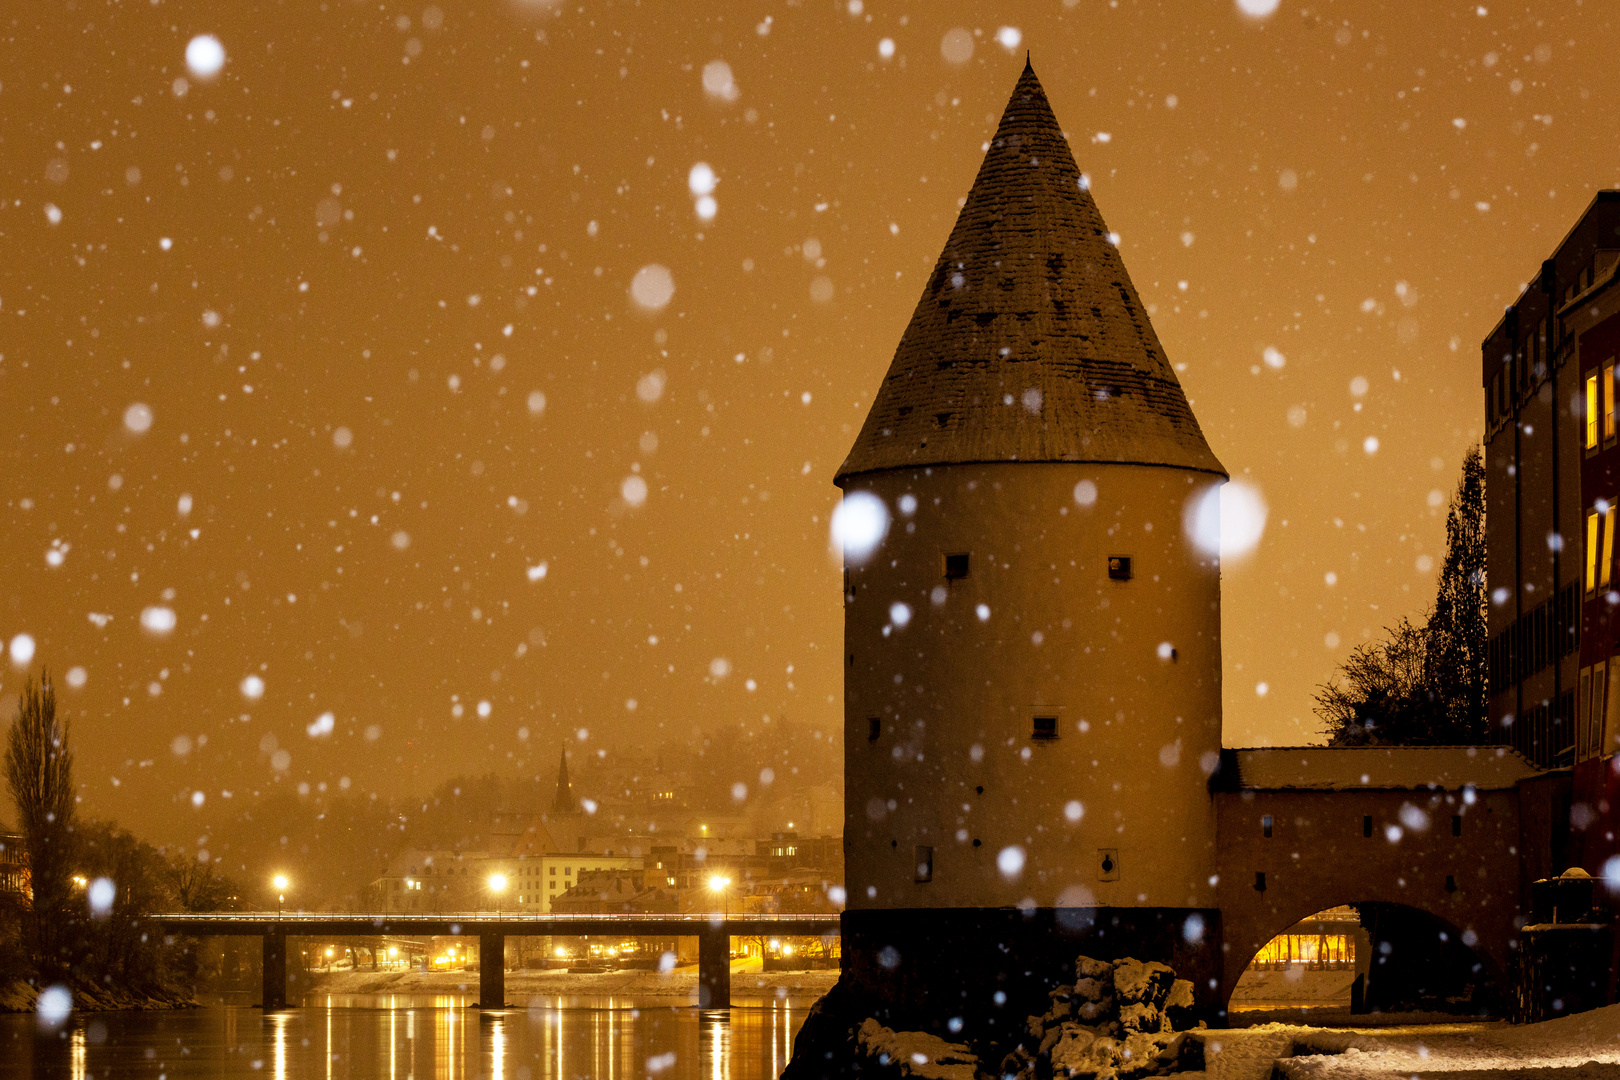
(958, 773)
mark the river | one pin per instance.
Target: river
(414, 1038)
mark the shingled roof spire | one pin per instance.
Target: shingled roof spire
(1030, 342)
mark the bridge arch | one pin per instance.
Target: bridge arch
(1416, 953)
(1449, 857)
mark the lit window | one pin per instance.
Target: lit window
(1608, 401)
(1591, 411)
(1591, 551)
(1608, 547)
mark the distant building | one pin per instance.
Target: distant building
(14, 867)
(537, 882)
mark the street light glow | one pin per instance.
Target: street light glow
(717, 883)
(497, 883)
(280, 882)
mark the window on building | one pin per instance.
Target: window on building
(1366, 825)
(874, 728)
(1605, 568)
(1259, 881)
(1265, 825)
(1119, 567)
(1456, 824)
(925, 863)
(1595, 742)
(1043, 727)
(1592, 521)
(1592, 411)
(1608, 402)
(955, 565)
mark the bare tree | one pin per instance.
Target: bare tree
(39, 771)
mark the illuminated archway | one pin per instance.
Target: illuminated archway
(1416, 959)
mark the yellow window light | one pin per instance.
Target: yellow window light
(1591, 411)
(1591, 551)
(1608, 401)
(1604, 569)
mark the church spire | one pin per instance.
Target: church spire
(1029, 343)
(563, 802)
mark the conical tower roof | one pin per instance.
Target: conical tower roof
(563, 802)
(1029, 342)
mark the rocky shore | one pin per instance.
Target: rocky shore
(21, 996)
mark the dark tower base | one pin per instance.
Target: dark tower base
(990, 968)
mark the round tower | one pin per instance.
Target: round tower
(1032, 653)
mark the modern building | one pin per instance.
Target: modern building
(1547, 442)
(1591, 320)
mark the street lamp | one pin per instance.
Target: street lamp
(497, 885)
(280, 882)
(718, 884)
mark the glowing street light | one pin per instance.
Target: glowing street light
(497, 886)
(280, 882)
(718, 884)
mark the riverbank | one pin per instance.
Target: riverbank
(19, 996)
(747, 980)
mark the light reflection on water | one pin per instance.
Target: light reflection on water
(401, 1037)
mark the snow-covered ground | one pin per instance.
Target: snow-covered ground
(1571, 1048)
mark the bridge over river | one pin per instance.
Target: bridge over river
(713, 931)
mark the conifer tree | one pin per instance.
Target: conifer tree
(1456, 669)
(1425, 684)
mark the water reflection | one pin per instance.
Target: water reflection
(415, 1038)
(278, 1029)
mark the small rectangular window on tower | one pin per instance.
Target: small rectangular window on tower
(1456, 824)
(874, 728)
(1259, 881)
(1265, 825)
(1043, 726)
(925, 863)
(955, 565)
(1366, 825)
(1119, 567)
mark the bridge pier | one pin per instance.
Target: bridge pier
(714, 966)
(275, 970)
(491, 969)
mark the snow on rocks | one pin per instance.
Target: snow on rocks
(916, 1053)
(1117, 1021)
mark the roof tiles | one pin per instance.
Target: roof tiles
(1030, 342)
